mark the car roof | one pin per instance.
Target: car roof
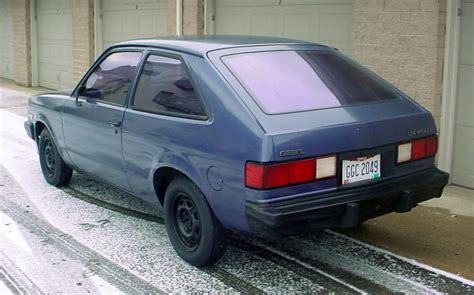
(200, 45)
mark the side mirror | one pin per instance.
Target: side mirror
(80, 92)
(92, 93)
(89, 92)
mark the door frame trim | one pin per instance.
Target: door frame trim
(450, 74)
(98, 44)
(34, 45)
(209, 17)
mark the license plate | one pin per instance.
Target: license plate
(360, 169)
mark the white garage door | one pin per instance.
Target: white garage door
(463, 161)
(54, 37)
(323, 21)
(131, 19)
(6, 42)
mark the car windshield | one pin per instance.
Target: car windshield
(293, 81)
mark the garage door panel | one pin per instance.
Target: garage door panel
(152, 4)
(54, 77)
(65, 30)
(265, 24)
(65, 4)
(298, 26)
(235, 24)
(464, 157)
(246, 3)
(322, 23)
(55, 52)
(54, 27)
(340, 24)
(463, 147)
(46, 5)
(465, 96)
(118, 5)
(6, 42)
(118, 25)
(467, 39)
(132, 19)
(152, 23)
(314, 2)
(54, 37)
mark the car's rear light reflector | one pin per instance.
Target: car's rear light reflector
(417, 149)
(326, 167)
(268, 176)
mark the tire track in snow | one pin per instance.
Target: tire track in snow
(222, 275)
(14, 277)
(320, 270)
(320, 278)
(384, 260)
(318, 273)
(114, 274)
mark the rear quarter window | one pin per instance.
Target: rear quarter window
(293, 81)
(165, 87)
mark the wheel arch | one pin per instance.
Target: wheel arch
(39, 126)
(174, 167)
(162, 178)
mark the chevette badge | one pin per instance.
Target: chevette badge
(421, 131)
(291, 153)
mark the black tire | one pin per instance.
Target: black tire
(55, 171)
(193, 230)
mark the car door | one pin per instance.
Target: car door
(92, 118)
(165, 118)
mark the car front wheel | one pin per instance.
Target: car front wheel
(194, 231)
(55, 171)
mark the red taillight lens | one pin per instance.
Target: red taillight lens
(431, 146)
(417, 149)
(302, 171)
(254, 175)
(277, 175)
(268, 176)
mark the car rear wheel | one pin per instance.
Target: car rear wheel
(55, 171)
(194, 231)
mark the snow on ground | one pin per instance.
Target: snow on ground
(90, 237)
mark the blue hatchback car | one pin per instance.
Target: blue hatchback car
(265, 136)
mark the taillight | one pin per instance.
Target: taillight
(417, 149)
(268, 176)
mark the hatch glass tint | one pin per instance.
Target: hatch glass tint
(293, 81)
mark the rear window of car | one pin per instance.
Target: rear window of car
(294, 81)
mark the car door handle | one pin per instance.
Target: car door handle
(115, 123)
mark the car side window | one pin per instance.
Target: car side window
(165, 87)
(111, 79)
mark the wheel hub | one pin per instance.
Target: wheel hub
(188, 224)
(49, 156)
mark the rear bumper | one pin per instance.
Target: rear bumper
(345, 208)
(30, 129)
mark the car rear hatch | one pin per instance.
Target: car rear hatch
(317, 103)
(352, 133)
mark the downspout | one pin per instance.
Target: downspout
(179, 17)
